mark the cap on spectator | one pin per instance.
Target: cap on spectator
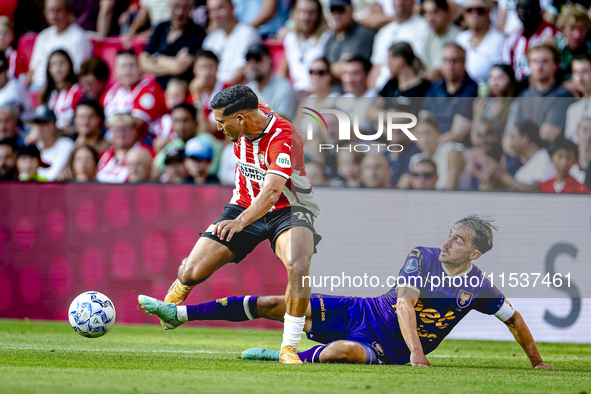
(340, 3)
(174, 155)
(257, 49)
(197, 148)
(43, 114)
(32, 151)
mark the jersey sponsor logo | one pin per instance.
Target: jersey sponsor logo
(378, 348)
(283, 160)
(411, 265)
(464, 298)
(288, 146)
(147, 101)
(252, 172)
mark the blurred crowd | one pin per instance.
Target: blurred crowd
(501, 91)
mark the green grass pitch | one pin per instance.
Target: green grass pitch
(48, 357)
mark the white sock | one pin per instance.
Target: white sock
(293, 327)
(181, 314)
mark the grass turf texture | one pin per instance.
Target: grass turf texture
(48, 357)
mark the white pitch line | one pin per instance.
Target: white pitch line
(115, 350)
(219, 352)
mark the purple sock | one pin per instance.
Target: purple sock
(231, 309)
(311, 355)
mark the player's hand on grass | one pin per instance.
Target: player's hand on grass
(227, 228)
(418, 359)
(542, 365)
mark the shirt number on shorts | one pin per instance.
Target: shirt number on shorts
(305, 216)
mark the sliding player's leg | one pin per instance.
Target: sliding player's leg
(206, 257)
(295, 248)
(234, 309)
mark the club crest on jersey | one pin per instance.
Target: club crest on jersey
(261, 158)
(464, 298)
(411, 266)
(283, 160)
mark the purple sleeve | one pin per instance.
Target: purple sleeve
(489, 299)
(413, 269)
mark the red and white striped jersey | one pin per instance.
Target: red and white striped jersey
(517, 46)
(62, 102)
(278, 150)
(145, 100)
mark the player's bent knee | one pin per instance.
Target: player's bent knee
(343, 352)
(299, 266)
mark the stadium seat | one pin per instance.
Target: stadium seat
(25, 46)
(107, 49)
(277, 53)
(8, 7)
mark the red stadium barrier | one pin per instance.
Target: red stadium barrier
(57, 241)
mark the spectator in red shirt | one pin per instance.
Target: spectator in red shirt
(133, 93)
(112, 164)
(564, 154)
(61, 92)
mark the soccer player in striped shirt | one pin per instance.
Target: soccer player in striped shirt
(272, 200)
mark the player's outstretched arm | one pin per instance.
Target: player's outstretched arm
(523, 336)
(260, 206)
(407, 320)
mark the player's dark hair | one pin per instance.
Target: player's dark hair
(483, 231)
(530, 130)
(323, 60)
(364, 62)
(10, 142)
(582, 57)
(95, 105)
(429, 162)
(207, 55)
(235, 98)
(441, 4)
(130, 52)
(187, 107)
(95, 66)
(563, 143)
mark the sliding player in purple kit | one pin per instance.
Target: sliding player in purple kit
(401, 326)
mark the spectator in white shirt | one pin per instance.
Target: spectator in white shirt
(305, 43)
(62, 33)
(438, 15)
(407, 27)
(525, 142)
(482, 42)
(55, 150)
(230, 41)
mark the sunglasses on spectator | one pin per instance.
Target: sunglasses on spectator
(478, 10)
(426, 175)
(320, 72)
(256, 57)
(339, 9)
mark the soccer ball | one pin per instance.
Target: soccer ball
(92, 314)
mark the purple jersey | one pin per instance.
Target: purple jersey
(374, 320)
